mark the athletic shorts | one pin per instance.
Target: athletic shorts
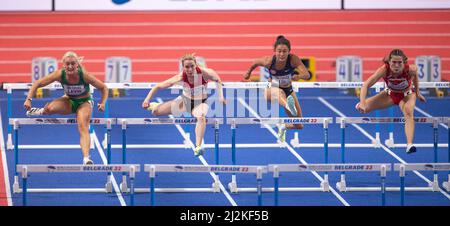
(287, 91)
(398, 96)
(190, 103)
(75, 103)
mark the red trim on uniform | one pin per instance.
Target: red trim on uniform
(397, 95)
(199, 72)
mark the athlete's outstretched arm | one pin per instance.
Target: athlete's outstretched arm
(415, 80)
(213, 76)
(52, 77)
(301, 70)
(258, 62)
(379, 73)
(162, 85)
(91, 79)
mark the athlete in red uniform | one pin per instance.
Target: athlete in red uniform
(397, 74)
(194, 80)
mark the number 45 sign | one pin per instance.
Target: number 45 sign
(118, 69)
(428, 68)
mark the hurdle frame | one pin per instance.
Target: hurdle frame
(131, 169)
(152, 169)
(364, 167)
(342, 184)
(9, 87)
(17, 122)
(124, 122)
(325, 121)
(423, 85)
(402, 168)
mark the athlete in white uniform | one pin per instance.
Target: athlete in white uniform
(194, 79)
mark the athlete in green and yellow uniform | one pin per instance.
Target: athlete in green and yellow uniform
(77, 97)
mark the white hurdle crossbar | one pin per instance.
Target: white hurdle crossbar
(402, 168)
(342, 185)
(366, 167)
(325, 121)
(17, 122)
(131, 169)
(212, 169)
(124, 122)
(226, 85)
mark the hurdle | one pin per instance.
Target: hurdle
(25, 86)
(264, 121)
(277, 168)
(61, 168)
(402, 168)
(152, 169)
(342, 185)
(124, 122)
(17, 122)
(10, 87)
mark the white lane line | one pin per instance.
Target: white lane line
(202, 159)
(326, 103)
(113, 180)
(253, 112)
(428, 115)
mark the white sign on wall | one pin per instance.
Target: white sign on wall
(118, 69)
(25, 5)
(428, 68)
(396, 4)
(42, 66)
(349, 69)
(65, 5)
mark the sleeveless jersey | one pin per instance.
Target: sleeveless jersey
(199, 87)
(397, 83)
(74, 90)
(283, 77)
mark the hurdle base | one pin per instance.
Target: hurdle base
(434, 185)
(92, 143)
(389, 142)
(63, 190)
(283, 189)
(216, 184)
(9, 143)
(295, 141)
(124, 185)
(174, 190)
(341, 186)
(376, 142)
(378, 189)
(105, 141)
(325, 185)
(16, 187)
(446, 185)
(232, 186)
(108, 185)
